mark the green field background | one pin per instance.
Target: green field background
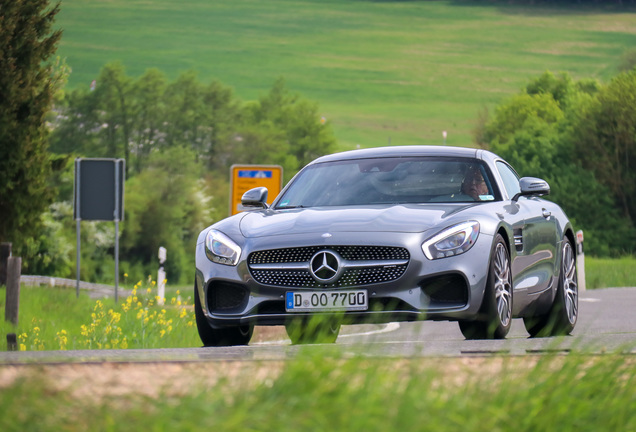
(382, 72)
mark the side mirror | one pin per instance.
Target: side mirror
(531, 186)
(255, 198)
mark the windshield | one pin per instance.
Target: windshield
(390, 181)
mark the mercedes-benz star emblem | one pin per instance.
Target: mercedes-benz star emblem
(325, 266)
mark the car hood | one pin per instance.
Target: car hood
(398, 218)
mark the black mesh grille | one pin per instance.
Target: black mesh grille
(300, 278)
(223, 296)
(351, 253)
(450, 290)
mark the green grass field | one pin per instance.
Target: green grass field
(382, 72)
(608, 273)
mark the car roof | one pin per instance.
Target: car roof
(408, 151)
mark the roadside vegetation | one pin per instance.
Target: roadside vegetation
(610, 273)
(53, 318)
(320, 391)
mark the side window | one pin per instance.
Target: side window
(510, 179)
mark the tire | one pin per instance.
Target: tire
(211, 337)
(314, 330)
(563, 314)
(495, 315)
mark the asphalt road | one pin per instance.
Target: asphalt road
(607, 323)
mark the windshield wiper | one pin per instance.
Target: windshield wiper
(291, 207)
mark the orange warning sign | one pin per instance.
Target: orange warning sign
(246, 177)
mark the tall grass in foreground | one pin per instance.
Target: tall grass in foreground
(325, 393)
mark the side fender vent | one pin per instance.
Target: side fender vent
(518, 240)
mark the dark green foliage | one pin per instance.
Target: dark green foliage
(606, 137)
(165, 206)
(628, 61)
(131, 119)
(27, 85)
(576, 135)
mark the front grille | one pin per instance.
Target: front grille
(351, 253)
(380, 264)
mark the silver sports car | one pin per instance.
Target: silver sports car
(390, 234)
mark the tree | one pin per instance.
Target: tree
(606, 136)
(308, 136)
(166, 205)
(27, 87)
(114, 94)
(627, 61)
(548, 129)
(148, 111)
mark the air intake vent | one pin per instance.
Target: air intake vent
(518, 240)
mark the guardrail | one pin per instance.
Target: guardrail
(96, 290)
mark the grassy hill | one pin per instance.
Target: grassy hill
(397, 72)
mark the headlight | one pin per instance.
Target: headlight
(452, 241)
(221, 249)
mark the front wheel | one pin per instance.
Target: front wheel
(495, 315)
(212, 337)
(561, 318)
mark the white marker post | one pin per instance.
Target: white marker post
(580, 261)
(161, 276)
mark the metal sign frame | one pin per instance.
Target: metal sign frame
(93, 182)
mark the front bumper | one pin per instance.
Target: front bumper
(443, 289)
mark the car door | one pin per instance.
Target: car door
(534, 230)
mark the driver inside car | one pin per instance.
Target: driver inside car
(474, 184)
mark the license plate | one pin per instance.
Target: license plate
(308, 301)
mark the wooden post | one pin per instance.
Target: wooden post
(5, 253)
(14, 269)
(12, 342)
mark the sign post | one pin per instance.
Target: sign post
(99, 195)
(580, 261)
(246, 177)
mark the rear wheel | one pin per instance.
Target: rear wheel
(210, 337)
(313, 330)
(495, 315)
(561, 318)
